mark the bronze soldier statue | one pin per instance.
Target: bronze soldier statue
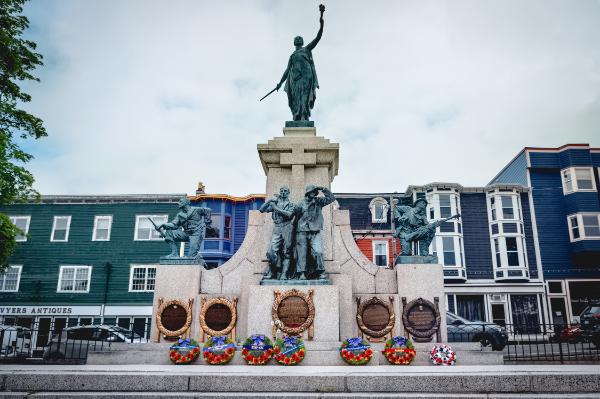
(280, 249)
(189, 224)
(412, 226)
(309, 216)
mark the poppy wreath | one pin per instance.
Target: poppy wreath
(442, 355)
(184, 351)
(289, 351)
(218, 350)
(257, 349)
(356, 351)
(399, 350)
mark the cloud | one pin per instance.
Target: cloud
(151, 97)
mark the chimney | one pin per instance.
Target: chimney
(200, 189)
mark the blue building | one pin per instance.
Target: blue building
(491, 269)
(565, 208)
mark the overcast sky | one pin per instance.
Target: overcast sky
(154, 96)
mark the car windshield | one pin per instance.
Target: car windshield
(453, 317)
(592, 310)
(127, 333)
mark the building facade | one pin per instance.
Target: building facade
(491, 272)
(92, 259)
(565, 208)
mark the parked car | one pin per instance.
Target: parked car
(590, 324)
(15, 341)
(463, 330)
(75, 342)
(571, 334)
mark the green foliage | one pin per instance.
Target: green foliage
(8, 233)
(17, 60)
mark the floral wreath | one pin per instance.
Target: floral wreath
(184, 351)
(218, 350)
(257, 349)
(289, 351)
(442, 355)
(356, 351)
(399, 350)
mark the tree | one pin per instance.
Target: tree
(17, 61)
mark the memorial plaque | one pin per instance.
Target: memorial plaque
(376, 316)
(293, 311)
(173, 317)
(218, 317)
(421, 318)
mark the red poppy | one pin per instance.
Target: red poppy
(248, 358)
(255, 360)
(301, 352)
(230, 350)
(287, 360)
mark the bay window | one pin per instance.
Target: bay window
(584, 226)
(576, 179)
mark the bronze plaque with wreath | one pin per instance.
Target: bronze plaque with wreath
(293, 312)
(421, 318)
(375, 318)
(174, 318)
(218, 316)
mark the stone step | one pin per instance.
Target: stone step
(318, 353)
(267, 381)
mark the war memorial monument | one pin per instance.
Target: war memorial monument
(299, 274)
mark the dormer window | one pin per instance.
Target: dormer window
(379, 210)
(577, 179)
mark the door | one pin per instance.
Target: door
(558, 308)
(43, 333)
(499, 314)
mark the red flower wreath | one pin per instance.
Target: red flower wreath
(399, 350)
(184, 351)
(218, 350)
(257, 349)
(356, 351)
(289, 351)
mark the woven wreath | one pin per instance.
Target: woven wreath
(399, 350)
(289, 351)
(442, 355)
(184, 351)
(356, 351)
(218, 350)
(257, 349)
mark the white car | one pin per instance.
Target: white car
(15, 341)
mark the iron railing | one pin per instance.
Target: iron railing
(54, 342)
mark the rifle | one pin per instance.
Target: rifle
(441, 221)
(156, 227)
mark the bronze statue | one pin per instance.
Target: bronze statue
(280, 249)
(309, 216)
(300, 76)
(412, 226)
(189, 224)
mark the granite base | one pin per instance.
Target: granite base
(415, 259)
(322, 281)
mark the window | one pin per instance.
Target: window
(379, 208)
(577, 179)
(60, 228)
(227, 228)
(142, 278)
(497, 251)
(74, 279)
(574, 227)
(493, 207)
(9, 280)
(445, 207)
(449, 254)
(507, 207)
(380, 253)
(22, 223)
(144, 230)
(512, 251)
(584, 226)
(102, 225)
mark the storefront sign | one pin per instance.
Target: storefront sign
(52, 310)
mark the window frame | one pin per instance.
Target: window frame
(94, 231)
(52, 239)
(131, 272)
(373, 204)
(374, 244)
(26, 230)
(60, 279)
(574, 184)
(3, 279)
(581, 226)
(137, 221)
